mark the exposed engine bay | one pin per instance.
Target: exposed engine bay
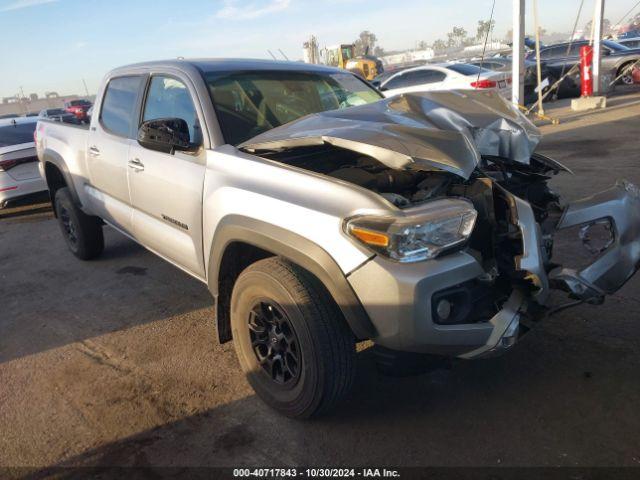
(514, 255)
(414, 150)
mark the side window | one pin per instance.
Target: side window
(397, 82)
(118, 106)
(558, 52)
(418, 77)
(574, 51)
(421, 77)
(170, 98)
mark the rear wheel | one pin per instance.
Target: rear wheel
(81, 232)
(292, 342)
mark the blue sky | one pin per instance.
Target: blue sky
(54, 44)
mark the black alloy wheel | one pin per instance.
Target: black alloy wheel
(68, 227)
(274, 343)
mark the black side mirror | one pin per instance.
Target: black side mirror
(166, 135)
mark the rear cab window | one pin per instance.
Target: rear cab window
(119, 105)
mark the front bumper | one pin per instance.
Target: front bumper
(398, 297)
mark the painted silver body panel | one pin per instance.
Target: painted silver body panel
(310, 205)
(447, 130)
(397, 298)
(621, 205)
(531, 260)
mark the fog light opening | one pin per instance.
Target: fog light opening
(443, 309)
(597, 236)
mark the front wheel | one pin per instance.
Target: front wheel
(292, 342)
(82, 233)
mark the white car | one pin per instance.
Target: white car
(446, 76)
(19, 174)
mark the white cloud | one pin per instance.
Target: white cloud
(20, 4)
(232, 11)
(79, 45)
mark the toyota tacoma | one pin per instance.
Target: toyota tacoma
(320, 214)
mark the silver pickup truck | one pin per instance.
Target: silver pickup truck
(321, 214)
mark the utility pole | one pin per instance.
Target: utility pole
(86, 90)
(23, 101)
(538, 67)
(598, 18)
(517, 65)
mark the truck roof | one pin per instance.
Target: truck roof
(230, 64)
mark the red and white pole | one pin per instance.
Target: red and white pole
(586, 76)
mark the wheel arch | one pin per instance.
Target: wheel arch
(240, 241)
(57, 176)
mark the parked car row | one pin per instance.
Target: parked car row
(494, 73)
(19, 175)
(445, 76)
(59, 114)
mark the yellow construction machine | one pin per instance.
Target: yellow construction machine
(343, 56)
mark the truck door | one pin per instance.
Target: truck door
(166, 188)
(110, 138)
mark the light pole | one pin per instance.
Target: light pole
(517, 65)
(598, 17)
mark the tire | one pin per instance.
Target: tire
(627, 78)
(81, 232)
(275, 302)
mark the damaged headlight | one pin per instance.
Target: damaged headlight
(422, 233)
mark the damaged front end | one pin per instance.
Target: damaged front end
(439, 152)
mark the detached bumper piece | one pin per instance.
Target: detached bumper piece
(616, 213)
(614, 217)
(506, 327)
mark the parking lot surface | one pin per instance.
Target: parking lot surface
(115, 362)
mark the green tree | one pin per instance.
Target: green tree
(456, 37)
(366, 43)
(484, 27)
(439, 46)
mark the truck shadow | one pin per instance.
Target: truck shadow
(523, 409)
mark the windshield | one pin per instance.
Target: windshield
(465, 69)
(615, 46)
(16, 134)
(56, 111)
(250, 103)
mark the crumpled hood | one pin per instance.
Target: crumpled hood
(447, 130)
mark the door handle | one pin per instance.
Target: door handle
(136, 164)
(94, 151)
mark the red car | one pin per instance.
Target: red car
(79, 108)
